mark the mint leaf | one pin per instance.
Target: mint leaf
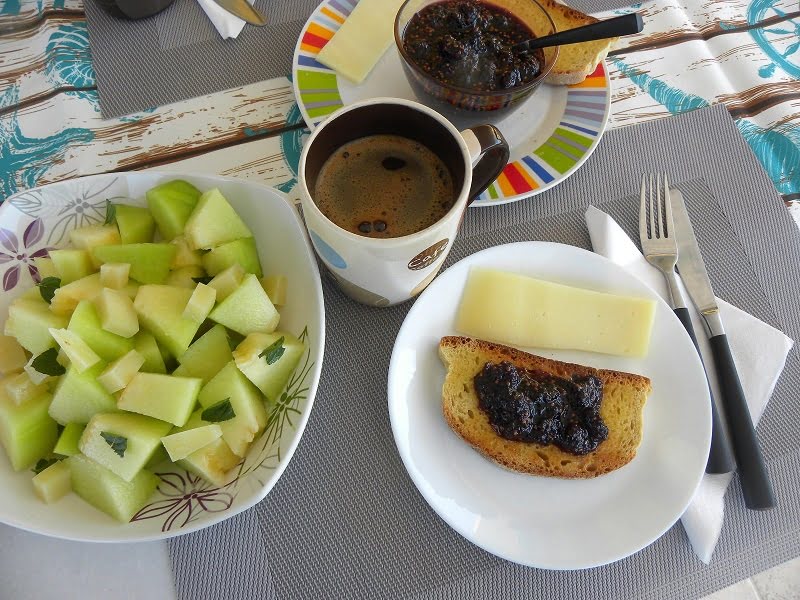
(47, 363)
(203, 280)
(43, 464)
(118, 443)
(48, 287)
(111, 213)
(274, 351)
(221, 411)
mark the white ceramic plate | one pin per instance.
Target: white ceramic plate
(35, 220)
(550, 136)
(540, 521)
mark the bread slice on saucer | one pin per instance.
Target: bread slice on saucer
(624, 396)
(575, 62)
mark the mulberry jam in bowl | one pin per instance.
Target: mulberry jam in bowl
(459, 55)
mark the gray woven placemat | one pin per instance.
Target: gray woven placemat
(177, 54)
(345, 521)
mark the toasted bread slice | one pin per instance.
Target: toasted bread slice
(624, 396)
(575, 61)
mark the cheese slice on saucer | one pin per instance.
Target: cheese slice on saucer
(362, 39)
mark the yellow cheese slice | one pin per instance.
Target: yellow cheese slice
(523, 311)
(362, 39)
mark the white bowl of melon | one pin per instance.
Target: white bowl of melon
(163, 341)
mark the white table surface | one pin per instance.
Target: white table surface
(36, 567)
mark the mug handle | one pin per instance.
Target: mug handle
(489, 152)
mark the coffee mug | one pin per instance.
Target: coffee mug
(390, 270)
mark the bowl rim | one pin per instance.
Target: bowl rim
(528, 87)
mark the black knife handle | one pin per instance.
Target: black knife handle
(756, 485)
(720, 457)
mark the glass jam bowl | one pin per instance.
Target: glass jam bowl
(462, 102)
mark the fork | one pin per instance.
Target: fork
(658, 241)
(660, 248)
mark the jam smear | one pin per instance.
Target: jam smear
(532, 406)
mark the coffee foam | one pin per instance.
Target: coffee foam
(355, 187)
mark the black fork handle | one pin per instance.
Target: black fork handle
(720, 457)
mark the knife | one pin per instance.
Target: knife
(243, 10)
(720, 456)
(756, 486)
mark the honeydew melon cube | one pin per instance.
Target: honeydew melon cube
(53, 483)
(160, 310)
(195, 421)
(27, 432)
(149, 261)
(213, 222)
(248, 309)
(227, 281)
(114, 275)
(80, 355)
(143, 436)
(67, 297)
(36, 376)
(33, 293)
(29, 321)
(79, 396)
(91, 236)
(182, 444)
(269, 378)
(71, 264)
(45, 267)
(184, 255)
(171, 203)
(213, 462)
(86, 323)
(131, 288)
(164, 397)
(242, 252)
(185, 277)
(246, 402)
(169, 360)
(135, 223)
(145, 344)
(275, 286)
(200, 303)
(20, 388)
(159, 457)
(206, 356)
(67, 443)
(108, 492)
(116, 313)
(119, 373)
(12, 355)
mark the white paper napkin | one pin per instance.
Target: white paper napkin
(758, 349)
(227, 24)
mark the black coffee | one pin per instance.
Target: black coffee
(384, 186)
